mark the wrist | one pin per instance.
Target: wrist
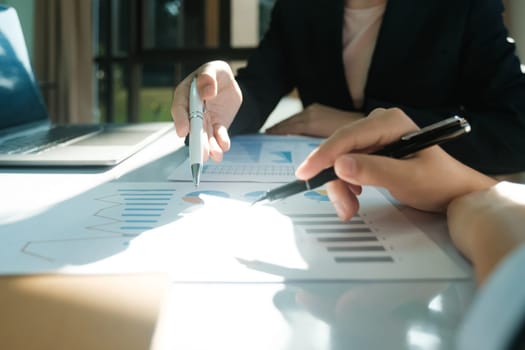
(487, 225)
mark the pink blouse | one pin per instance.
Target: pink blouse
(360, 31)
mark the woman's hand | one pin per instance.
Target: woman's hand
(315, 120)
(219, 89)
(427, 180)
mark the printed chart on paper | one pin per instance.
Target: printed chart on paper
(213, 234)
(255, 158)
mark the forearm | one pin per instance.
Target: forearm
(487, 225)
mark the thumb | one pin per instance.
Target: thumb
(371, 170)
(213, 75)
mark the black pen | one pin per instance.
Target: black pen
(408, 144)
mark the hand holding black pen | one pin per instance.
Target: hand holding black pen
(408, 144)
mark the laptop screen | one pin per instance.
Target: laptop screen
(20, 98)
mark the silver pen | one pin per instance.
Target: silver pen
(196, 138)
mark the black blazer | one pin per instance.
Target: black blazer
(433, 59)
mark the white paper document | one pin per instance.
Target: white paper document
(255, 158)
(213, 234)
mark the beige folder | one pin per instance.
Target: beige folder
(80, 312)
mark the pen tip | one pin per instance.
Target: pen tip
(262, 200)
(196, 173)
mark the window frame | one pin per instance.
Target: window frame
(137, 56)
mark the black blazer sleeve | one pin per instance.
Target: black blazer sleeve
(457, 62)
(302, 49)
(266, 78)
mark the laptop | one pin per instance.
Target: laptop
(27, 136)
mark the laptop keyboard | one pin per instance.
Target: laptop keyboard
(40, 141)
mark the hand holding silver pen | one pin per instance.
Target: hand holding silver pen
(221, 96)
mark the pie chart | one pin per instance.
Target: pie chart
(193, 197)
(318, 196)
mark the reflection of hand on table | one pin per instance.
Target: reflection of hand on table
(371, 315)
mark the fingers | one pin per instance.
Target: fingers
(216, 152)
(428, 180)
(359, 169)
(362, 169)
(219, 142)
(207, 80)
(213, 77)
(212, 148)
(180, 104)
(208, 76)
(222, 137)
(363, 136)
(343, 199)
(222, 96)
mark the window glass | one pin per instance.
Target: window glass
(156, 92)
(176, 24)
(120, 93)
(173, 38)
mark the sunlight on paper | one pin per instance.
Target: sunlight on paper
(220, 232)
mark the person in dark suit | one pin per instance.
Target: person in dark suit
(432, 59)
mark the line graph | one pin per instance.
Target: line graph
(132, 211)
